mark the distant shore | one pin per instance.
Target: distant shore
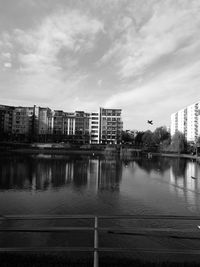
(64, 149)
(176, 155)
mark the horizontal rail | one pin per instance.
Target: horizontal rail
(150, 217)
(107, 229)
(157, 251)
(134, 217)
(46, 249)
(46, 229)
(44, 217)
(103, 249)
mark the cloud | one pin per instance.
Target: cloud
(166, 93)
(99, 83)
(7, 65)
(67, 30)
(46, 70)
(170, 26)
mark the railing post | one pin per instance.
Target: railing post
(96, 256)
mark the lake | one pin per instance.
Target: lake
(98, 185)
(56, 184)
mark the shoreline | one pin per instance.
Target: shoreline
(52, 151)
(172, 155)
(72, 151)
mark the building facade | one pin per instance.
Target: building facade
(25, 121)
(82, 130)
(94, 127)
(6, 117)
(42, 124)
(45, 121)
(69, 123)
(187, 121)
(111, 126)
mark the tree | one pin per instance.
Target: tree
(178, 143)
(138, 138)
(160, 135)
(148, 138)
(127, 136)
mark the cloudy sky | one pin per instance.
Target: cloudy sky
(139, 55)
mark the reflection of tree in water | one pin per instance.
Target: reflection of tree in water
(154, 164)
(58, 172)
(178, 166)
(110, 174)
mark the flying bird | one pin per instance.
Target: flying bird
(150, 122)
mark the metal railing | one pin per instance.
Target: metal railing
(96, 229)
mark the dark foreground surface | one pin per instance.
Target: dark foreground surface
(37, 260)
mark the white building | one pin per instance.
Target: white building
(187, 121)
(106, 126)
(94, 127)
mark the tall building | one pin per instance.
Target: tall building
(187, 121)
(64, 125)
(82, 127)
(111, 126)
(25, 121)
(45, 121)
(94, 127)
(6, 114)
(69, 123)
(58, 122)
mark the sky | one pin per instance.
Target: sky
(142, 56)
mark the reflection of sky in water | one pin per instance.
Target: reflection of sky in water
(82, 184)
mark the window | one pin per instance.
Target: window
(94, 135)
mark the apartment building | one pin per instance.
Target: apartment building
(82, 132)
(69, 123)
(25, 120)
(6, 114)
(45, 121)
(187, 121)
(111, 126)
(94, 127)
(58, 122)
(43, 124)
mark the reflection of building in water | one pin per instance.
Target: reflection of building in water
(80, 172)
(42, 176)
(110, 174)
(93, 173)
(53, 173)
(69, 172)
(185, 184)
(15, 174)
(45, 173)
(58, 173)
(191, 175)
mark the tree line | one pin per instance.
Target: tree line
(160, 140)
